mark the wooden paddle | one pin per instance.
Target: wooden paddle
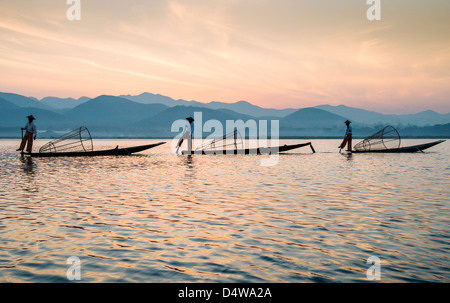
(180, 141)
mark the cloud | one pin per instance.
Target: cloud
(288, 53)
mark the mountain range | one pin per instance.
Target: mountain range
(151, 116)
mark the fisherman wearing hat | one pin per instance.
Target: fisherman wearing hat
(188, 133)
(30, 132)
(348, 137)
(191, 125)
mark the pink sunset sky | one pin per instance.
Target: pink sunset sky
(278, 54)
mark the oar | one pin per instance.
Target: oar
(340, 146)
(180, 141)
(21, 129)
(179, 144)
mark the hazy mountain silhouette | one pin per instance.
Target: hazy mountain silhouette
(162, 122)
(148, 98)
(441, 130)
(242, 107)
(45, 119)
(111, 116)
(63, 103)
(312, 121)
(247, 108)
(428, 117)
(6, 104)
(313, 116)
(112, 111)
(23, 101)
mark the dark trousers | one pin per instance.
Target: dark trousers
(347, 140)
(27, 140)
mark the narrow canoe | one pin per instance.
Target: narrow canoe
(251, 151)
(107, 152)
(406, 149)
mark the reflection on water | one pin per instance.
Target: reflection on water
(28, 165)
(27, 181)
(159, 217)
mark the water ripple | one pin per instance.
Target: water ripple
(157, 217)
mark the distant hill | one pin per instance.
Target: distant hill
(313, 116)
(426, 118)
(438, 131)
(15, 118)
(370, 117)
(6, 104)
(148, 98)
(312, 121)
(247, 108)
(22, 101)
(151, 116)
(63, 103)
(112, 111)
(242, 107)
(161, 123)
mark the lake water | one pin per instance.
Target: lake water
(159, 217)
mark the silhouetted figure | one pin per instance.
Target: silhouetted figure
(188, 133)
(30, 132)
(348, 137)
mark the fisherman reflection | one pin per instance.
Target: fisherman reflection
(27, 182)
(187, 183)
(27, 165)
(349, 156)
(188, 163)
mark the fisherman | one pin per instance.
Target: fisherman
(30, 132)
(188, 133)
(348, 137)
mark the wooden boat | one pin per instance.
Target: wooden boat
(107, 152)
(221, 146)
(250, 151)
(388, 140)
(406, 149)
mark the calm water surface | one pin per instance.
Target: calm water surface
(158, 217)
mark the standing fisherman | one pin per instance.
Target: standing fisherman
(348, 137)
(30, 131)
(188, 133)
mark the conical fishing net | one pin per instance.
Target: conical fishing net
(387, 138)
(232, 141)
(78, 140)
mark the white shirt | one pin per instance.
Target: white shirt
(30, 127)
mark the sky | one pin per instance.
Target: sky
(276, 54)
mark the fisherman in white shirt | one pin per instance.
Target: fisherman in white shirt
(188, 133)
(30, 132)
